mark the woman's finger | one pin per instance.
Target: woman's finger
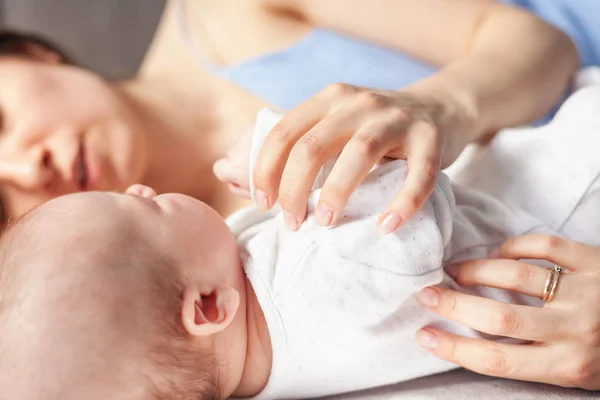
(572, 255)
(321, 143)
(424, 159)
(496, 318)
(365, 149)
(491, 358)
(276, 149)
(503, 274)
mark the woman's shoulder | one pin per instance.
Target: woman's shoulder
(168, 54)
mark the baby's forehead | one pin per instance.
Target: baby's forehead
(83, 202)
(74, 234)
(75, 211)
(62, 223)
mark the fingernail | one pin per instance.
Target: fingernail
(323, 215)
(262, 201)
(452, 270)
(429, 297)
(427, 340)
(290, 221)
(389, 222)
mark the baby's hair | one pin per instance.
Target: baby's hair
(15, 43)
(177, 370)
(9, 247)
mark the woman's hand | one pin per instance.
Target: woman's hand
(362, 125)
(564, 335)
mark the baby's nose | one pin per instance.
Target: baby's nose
(141, 190)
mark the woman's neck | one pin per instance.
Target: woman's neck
(179, 126)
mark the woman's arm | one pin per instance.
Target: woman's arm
(503, 64)
(501, 67)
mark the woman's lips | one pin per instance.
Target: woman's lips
(80, 173)
(83, 174)
(85, 170)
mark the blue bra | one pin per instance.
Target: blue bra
(287, 78)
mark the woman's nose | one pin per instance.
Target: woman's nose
(30, 171)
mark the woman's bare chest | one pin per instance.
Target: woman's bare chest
(231, 32)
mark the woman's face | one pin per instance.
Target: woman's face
(62, 130)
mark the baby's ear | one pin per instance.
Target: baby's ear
(208, 312)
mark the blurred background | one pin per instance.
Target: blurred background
(108, 36)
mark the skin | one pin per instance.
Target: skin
(218, 308)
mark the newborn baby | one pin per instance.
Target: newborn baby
(139, 296)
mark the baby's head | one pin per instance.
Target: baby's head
(120, 296)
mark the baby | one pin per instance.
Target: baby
(139, 296)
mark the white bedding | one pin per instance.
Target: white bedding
(465, 385)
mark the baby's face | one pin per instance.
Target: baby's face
(82, 318)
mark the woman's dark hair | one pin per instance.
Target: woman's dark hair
(27, 45)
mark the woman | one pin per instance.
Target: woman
(435, 117)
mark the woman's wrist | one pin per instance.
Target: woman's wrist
(458, 117)
(495, 84)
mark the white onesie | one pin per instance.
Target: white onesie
(340, 303)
